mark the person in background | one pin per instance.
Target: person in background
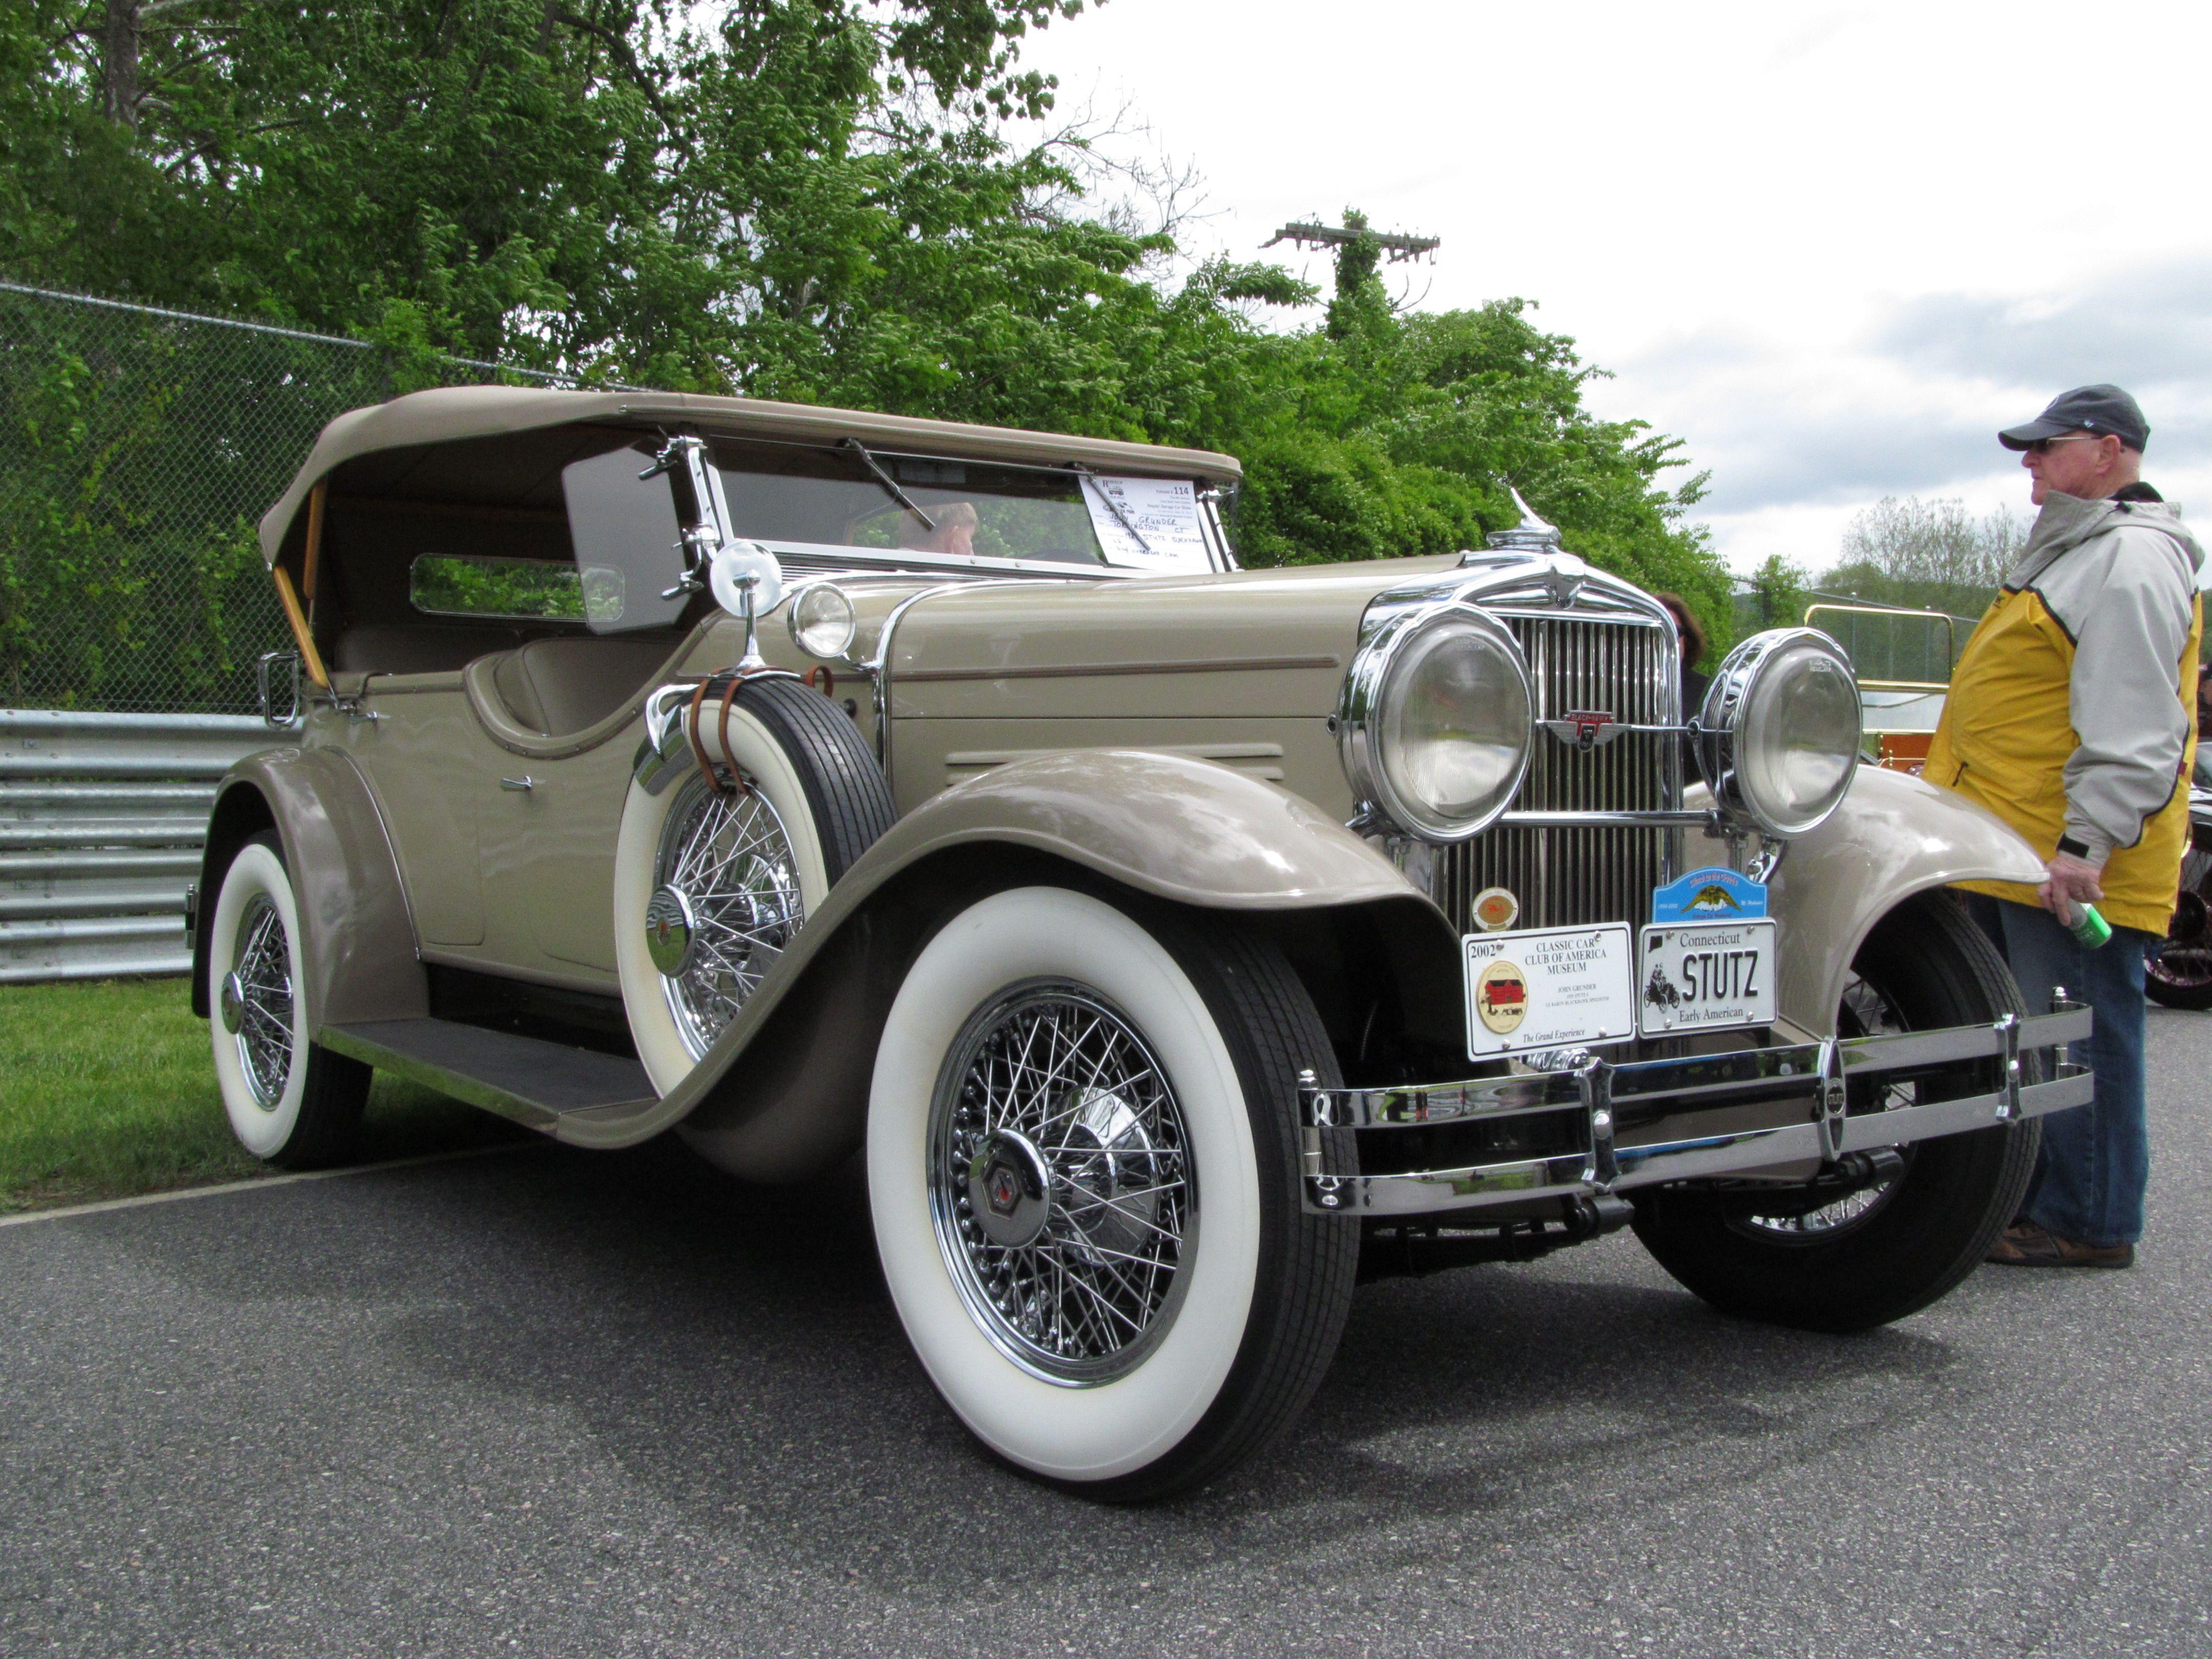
(1691, 638)
(2072, 716)
(954, 533)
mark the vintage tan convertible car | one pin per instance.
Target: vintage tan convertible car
(1178, 942)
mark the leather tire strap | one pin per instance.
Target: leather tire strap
(737, 774)
(698, 748)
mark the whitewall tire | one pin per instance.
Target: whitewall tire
(1148, 1304)
(288, 1102)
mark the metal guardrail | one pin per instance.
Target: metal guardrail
(101, 820)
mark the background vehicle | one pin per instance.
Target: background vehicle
(2179, 972)
(1177, 942)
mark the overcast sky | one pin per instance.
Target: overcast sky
(1832, 248)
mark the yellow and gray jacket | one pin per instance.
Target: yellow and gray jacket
(2072, 713)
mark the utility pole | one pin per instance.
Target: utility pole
(1397, 247)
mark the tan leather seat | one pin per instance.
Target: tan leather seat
(559, 686)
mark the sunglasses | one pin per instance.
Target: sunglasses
(2041, 446)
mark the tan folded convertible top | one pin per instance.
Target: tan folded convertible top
(480, 411)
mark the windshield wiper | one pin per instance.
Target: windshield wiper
(1113, 506)
(890, 483)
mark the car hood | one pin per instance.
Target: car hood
(1267, 642)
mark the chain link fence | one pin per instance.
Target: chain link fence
(138, 449)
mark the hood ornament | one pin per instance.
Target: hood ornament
(1532, 534)
(1561, 574)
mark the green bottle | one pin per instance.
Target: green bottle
(2088, 927)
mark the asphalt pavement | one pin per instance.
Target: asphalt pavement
(550, 1402)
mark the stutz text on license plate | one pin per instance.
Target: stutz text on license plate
(1704, 977)
(1548, 987)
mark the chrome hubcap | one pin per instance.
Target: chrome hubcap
(1060, 1183)
(232, 1002)
(668, 929)
(1009, 1188)
(726, 904)
(257, 1003)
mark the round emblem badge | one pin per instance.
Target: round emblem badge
(1496, 909)
(1501, 997)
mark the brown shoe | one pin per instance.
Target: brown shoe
(2024, 1244)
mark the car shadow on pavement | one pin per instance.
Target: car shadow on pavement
(733, 1349)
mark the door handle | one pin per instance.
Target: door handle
(521, 786)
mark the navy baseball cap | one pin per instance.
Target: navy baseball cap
(2102, 410)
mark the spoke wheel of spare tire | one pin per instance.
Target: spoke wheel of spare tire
(290, 1102)
(1792, 1256)
(1084, 1176)
(714, 878)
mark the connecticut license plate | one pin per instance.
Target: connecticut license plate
(1705, 976)
(1548, 987)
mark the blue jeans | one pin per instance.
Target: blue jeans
(2095, 1162)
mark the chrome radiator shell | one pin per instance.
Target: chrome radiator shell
(1625, 665)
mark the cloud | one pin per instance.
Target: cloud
(2150, 329)
(1908, 401)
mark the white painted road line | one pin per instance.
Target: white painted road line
(178, 1194)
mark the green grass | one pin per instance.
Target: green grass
(107, 1089)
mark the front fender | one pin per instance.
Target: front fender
(1893, 837)
(1179, 829)
(357, 941)
(1190, 830)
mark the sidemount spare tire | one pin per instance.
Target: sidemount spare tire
(720, 867)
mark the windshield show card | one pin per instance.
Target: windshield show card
(1147, 521)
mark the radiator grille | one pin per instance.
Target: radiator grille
(1567, 876)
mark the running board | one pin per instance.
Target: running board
(532, 1081)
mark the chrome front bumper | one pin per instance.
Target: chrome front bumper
(1617, 1126)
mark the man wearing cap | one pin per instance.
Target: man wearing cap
(2072, 716)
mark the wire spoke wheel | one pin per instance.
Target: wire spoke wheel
(1062, 1183)
(727, 892)
(2179, 971)
(1865, 1012)
(259, 995)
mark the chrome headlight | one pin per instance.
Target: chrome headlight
(1435, 724)
(1780, 732)
(822, 621)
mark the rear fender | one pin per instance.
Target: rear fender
(357, 941)
(1895, 835)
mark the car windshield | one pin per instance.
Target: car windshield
(813, 497)
(845, 496)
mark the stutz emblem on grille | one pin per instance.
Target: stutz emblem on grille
(1586, 728)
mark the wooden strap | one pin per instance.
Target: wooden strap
(313, 561)
(298, 618)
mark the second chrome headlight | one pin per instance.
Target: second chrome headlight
(1436, 723)
(1781, 730)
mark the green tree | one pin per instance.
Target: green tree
(1926, 555)
(1779, 592)
(813, 200)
